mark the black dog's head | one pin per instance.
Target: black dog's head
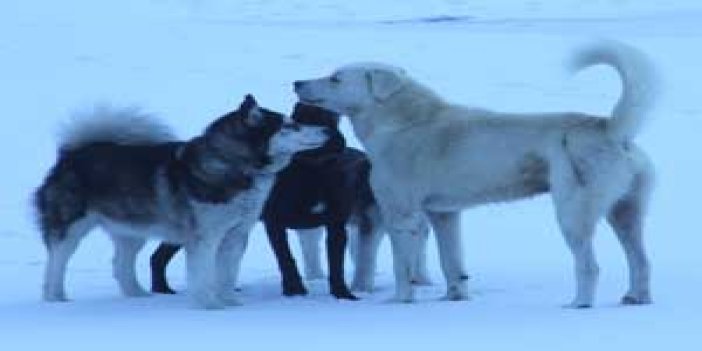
(313, 115)
(305, 114)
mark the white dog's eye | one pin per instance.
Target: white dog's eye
(335, 79)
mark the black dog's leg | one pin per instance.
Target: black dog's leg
(159, 261)
(336, 248)
(292, 282)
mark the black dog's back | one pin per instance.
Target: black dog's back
(311, 192)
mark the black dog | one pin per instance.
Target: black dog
(328, 187)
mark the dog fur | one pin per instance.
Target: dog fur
(432, 159)
(323, 187)
(126, 173)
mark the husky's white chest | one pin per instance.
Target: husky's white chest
(243, 208)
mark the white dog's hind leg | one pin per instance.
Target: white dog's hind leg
(124, 262)
(59, 253)
(626, 218)
(202, 273)
(577, 218)
(421, 272)
(229, 256)
(447, 228)
(310, 243)
(578, 232)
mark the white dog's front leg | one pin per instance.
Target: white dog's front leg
(403, 254)
(365, 252)
(202, 282)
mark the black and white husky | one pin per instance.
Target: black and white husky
(126, 173)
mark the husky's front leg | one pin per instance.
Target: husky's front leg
(201, 272)
(229, 256)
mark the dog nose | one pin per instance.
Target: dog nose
(298, 84)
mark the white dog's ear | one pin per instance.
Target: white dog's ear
(384, 83)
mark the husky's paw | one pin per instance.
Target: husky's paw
(578, 305)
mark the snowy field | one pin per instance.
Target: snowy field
(190, 61)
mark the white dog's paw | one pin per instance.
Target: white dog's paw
(457, 291)
(55, 297)
(362, 285)
(456, 294)
(636, 299)
(210, 305)
(404, 296)
(136, 291)
(207, 301)
(314, 275)
(452, 296)
(422, 280)
(230, 298)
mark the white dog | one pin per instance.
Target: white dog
(433, 158)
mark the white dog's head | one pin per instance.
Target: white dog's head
(353, 88)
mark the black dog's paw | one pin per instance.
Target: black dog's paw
(163, 289)
(296, 289)
(344, 294)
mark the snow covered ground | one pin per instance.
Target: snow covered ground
(191, 60)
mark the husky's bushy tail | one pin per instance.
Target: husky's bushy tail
(639, 84)
(59, 201)
(103, 123)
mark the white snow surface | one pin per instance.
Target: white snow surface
(189, 61)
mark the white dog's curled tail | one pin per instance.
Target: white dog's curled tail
(103, 123)
(639, 84)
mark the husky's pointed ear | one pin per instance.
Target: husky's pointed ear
(383, 83)
(248, 104)
(249, 109)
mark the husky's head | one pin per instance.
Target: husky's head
(257, 140)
